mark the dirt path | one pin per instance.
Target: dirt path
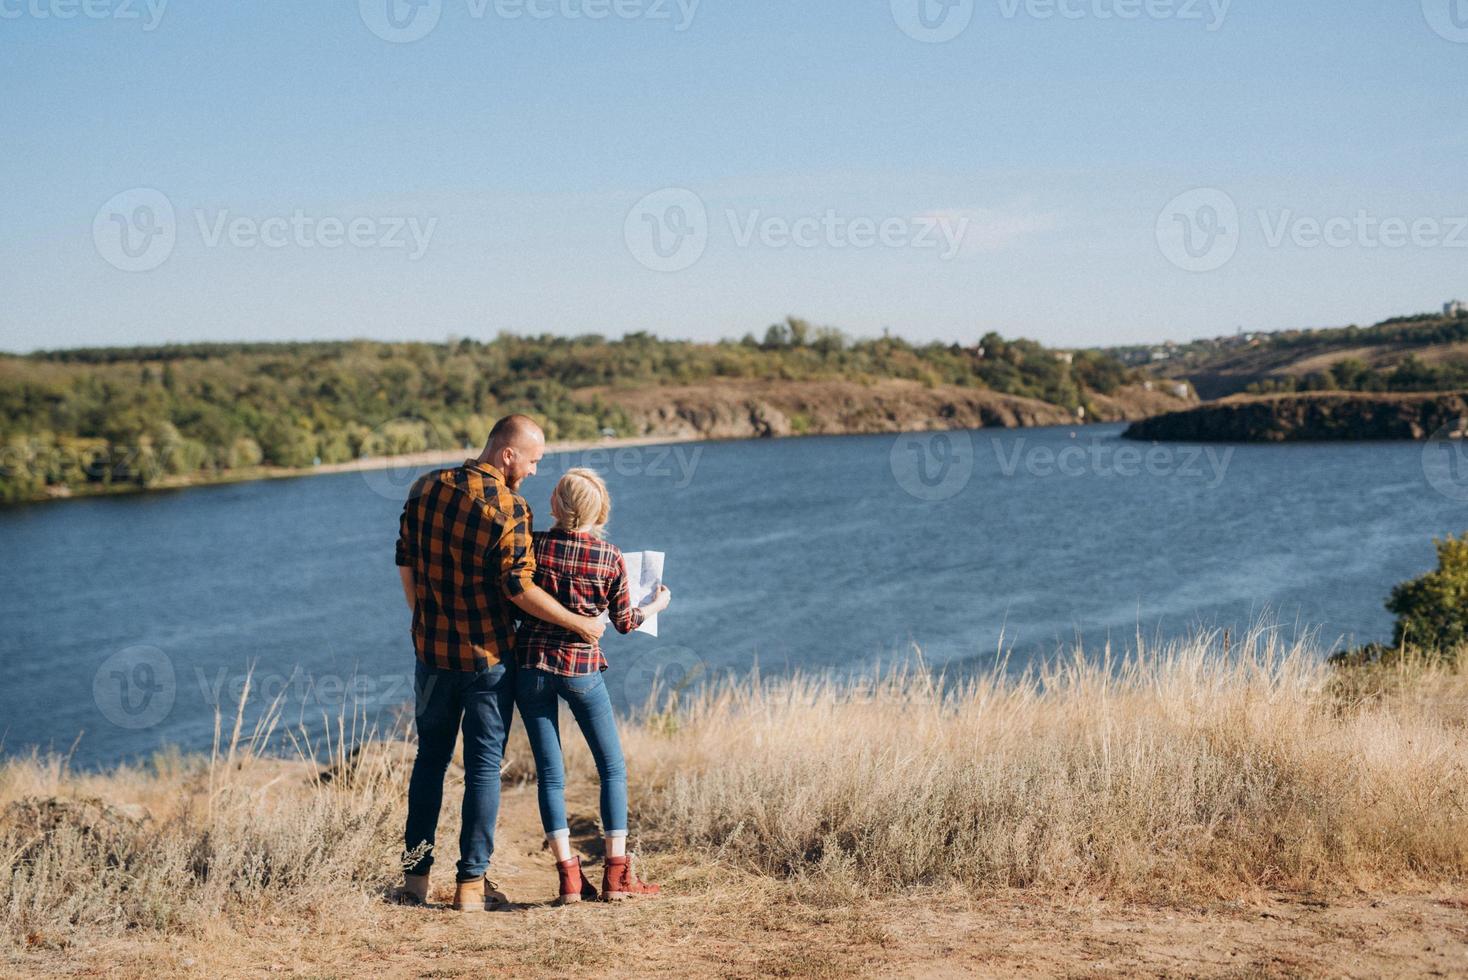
(718, 923)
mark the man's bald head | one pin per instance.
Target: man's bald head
(515, 430)
(515, 446)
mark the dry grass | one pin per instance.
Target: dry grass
(1180, 772)
(1180, 775)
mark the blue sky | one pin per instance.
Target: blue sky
(507, 172)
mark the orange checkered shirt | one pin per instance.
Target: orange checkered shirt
(466, 535)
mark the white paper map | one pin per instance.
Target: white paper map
(644, 575)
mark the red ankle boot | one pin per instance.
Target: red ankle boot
(619, 881)
(574, 886)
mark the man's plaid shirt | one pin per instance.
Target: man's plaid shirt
(466, 535)
(589, 577)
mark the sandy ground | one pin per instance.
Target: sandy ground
(718, 923)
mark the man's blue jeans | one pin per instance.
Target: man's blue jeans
(483, 704)
(538, 693)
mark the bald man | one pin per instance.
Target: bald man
(466, 560)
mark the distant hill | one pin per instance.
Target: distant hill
(116, 418)
(1423, 353)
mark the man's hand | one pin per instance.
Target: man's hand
(410, 588)
(542, 605)
(590, 629)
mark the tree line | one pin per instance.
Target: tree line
(99, 418)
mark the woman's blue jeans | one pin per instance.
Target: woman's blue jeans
(538, 695)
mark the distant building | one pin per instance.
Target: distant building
(1455, 308)
(1065, 357)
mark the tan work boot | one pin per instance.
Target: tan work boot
(414, 890)
(479, 895)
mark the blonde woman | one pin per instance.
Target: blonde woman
(588, 575)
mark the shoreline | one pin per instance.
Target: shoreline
(366, 464)
(370, 464)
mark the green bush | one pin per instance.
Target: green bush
(1432, 611)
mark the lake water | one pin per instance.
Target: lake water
(127, 619)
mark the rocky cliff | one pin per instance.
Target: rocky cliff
(745, 409)
(1324, 416)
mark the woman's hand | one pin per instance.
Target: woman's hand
(659, 601)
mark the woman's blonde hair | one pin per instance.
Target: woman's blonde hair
(581, 502)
